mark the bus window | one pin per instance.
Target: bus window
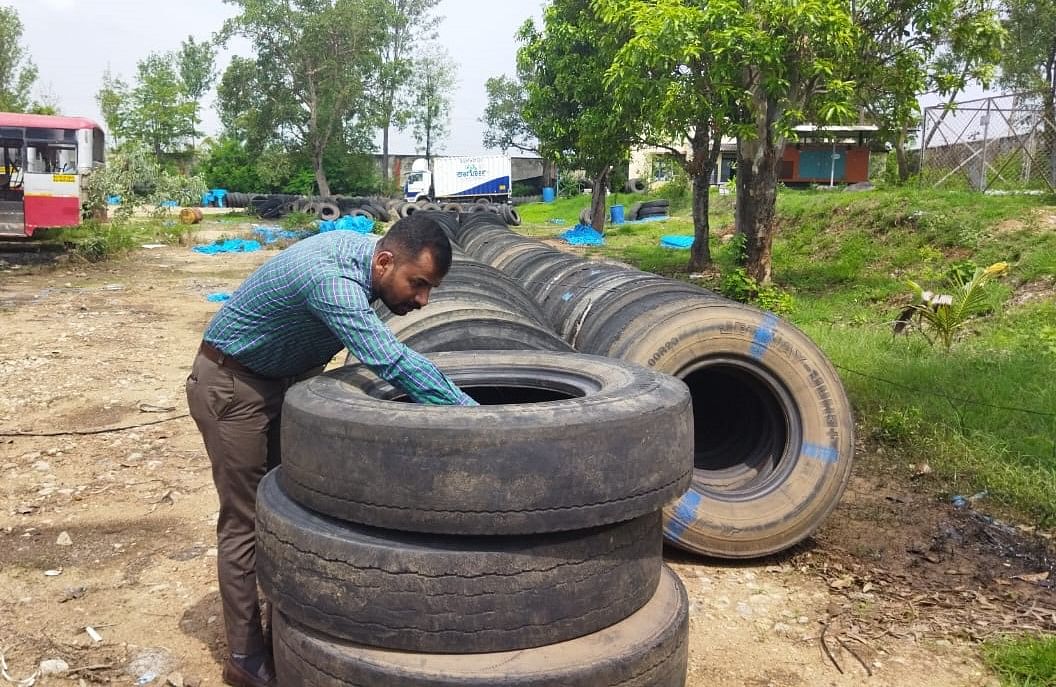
(98, 147)
(51, 159)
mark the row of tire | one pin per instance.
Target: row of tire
(329, 208)
(402, 546)
(773, 426)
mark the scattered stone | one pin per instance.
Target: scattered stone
(64, 539)
(71, 593)
(150, 663)
(744, 610)
(42, 466)
(54, 666)
(189, 553)
(175, 680)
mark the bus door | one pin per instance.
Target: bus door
(51, 186)
(12, 175)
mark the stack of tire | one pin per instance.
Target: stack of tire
(507, 213)
(774, 431)
(517, 543)
(276, 206)
(650, 208)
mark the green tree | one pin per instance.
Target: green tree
(159, 111)
(431, 87)
(17, 71)
(1029, 62)
(196, 64)
(569, 108)
(674, 76)
(790, 55)
(503, 120)
(410, 23)
(112, 98)
(316, 68)
(504, 123)
(225, 163)
(907, 47)
(155, 110)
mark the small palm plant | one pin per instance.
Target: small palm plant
(941, 316)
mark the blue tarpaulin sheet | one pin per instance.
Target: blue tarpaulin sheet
(270, 235)
(677, 242)
(359, 224)
(218, 297)
(583, 235)
(228, 246)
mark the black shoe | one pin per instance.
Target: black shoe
(238, 674)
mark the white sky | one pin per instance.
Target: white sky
(74, 41)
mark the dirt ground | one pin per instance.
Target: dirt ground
(115, 530)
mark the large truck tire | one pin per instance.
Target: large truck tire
(560, 442)
(470, 325)
(450, 594)
(648, 649)
(328, 211)
(636, 186)
(775, 435)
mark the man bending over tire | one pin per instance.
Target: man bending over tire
(285, 323)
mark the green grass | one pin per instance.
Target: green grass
(95, 241)
(845, 258)
(1023, 661)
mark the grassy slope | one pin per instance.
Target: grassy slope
(845, 257)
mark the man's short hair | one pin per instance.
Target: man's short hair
(416, 233)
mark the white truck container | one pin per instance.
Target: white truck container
(461, 179)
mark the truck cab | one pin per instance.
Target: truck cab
(419, 183)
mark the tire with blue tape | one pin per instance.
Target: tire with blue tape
(774, 434)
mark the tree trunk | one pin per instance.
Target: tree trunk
(902, 156)
(597, 200)
(1049, 109)
(700, 254)
(705, 162)
(385, 155)
(757, 164)
(320, 174)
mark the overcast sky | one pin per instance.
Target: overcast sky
(74, 41)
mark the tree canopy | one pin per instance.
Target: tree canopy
(315, 76)
(1029, 59)
(431, 87)
(569, 107)
(17, 71)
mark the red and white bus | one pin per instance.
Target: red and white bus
(44, 161)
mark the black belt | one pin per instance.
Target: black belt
(222, 359)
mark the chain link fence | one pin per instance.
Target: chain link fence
(1005, 143)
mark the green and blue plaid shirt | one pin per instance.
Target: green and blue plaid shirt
(299, 309)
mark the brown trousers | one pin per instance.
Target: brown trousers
(238, 415)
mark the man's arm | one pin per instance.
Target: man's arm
(343, 307)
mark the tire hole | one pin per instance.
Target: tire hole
(510, 395)
(745, 425)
